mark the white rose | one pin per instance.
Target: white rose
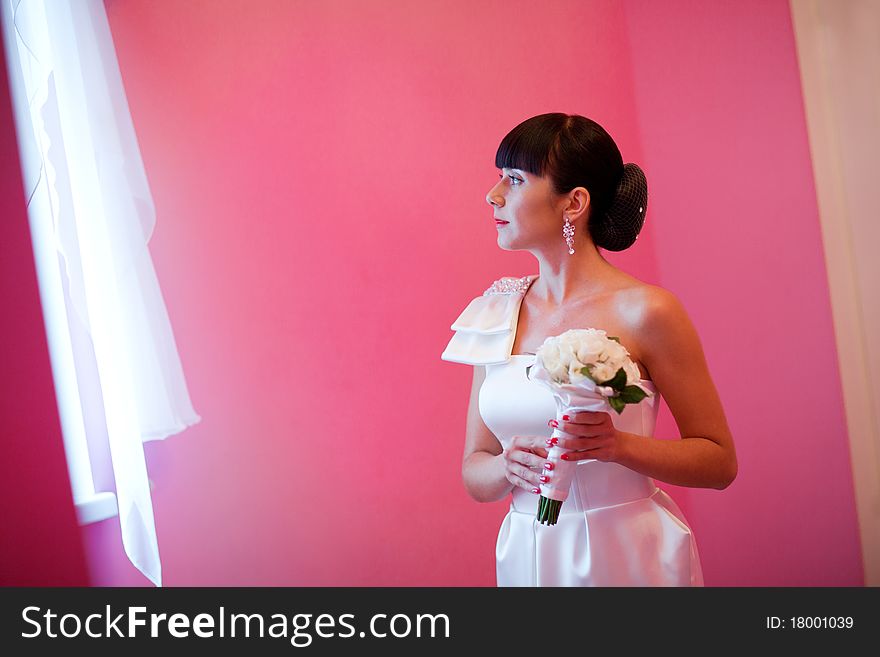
(567, 359)
(591, 347)
(633, 374)
(574, 372)
(552, 356)
(570, 339)
(616, 352)
(603, 372)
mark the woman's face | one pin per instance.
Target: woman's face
(530, 208)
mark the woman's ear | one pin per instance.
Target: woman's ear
(578, 204)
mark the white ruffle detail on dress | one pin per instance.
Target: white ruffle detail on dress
(485, 330)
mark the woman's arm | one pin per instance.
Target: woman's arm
(705, 456)
(489, 472)
(483, 466)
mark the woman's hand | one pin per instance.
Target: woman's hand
(593, 437)
(523, 454)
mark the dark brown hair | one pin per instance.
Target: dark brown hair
(574, 151)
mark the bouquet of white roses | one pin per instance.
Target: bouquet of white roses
(586, 370)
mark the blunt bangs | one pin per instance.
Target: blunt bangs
(530, 146)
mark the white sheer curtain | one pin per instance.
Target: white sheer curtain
(838, 50)
(90, 204)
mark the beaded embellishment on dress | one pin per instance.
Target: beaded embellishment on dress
(509, 285)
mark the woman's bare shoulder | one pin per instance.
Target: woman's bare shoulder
(662, 321)
(654, 316)
(637, 301)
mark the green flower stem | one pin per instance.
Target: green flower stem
(548, 510)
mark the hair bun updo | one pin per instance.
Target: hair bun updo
(618, 228)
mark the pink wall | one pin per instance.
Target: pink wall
(40, 543)
(738, 239)
(319, 172)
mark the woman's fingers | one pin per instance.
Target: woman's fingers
(578, 444)
(521, 476)
(535, 444)
(587, 424)
(605, 447)
(519, 466)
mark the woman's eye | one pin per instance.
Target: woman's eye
(513, 180)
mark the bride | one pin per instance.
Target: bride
(563, 194)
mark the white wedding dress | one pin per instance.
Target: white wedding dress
(617, 528)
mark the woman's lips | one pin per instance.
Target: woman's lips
(498, 222)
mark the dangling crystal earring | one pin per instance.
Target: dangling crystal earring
(568, 232)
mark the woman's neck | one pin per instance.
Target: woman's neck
(560, 280)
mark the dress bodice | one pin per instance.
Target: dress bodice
(511, 404)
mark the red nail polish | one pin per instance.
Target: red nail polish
(544, 478)
(564, 457)
(553, 423)
(536, 490)
(548, 465)
(566, 418)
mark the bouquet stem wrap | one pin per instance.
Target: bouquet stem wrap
(555, 491)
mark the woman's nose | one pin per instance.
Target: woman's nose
(493, 198)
